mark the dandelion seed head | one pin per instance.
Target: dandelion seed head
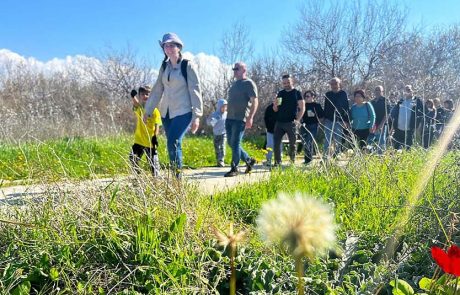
(303, 224)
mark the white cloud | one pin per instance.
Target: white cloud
(210, 69)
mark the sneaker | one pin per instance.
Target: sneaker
(231, 173)
(249, 165)
(220, 164)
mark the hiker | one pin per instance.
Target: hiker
(217, 121)
(406, 117)
(336, 111)
(362, 117)
(242, 105)
(145, 134)
(381, 106)
(269, 120)
(310, 120)
(178, 88)
(429, 123)
(289, 107)
(440, 120)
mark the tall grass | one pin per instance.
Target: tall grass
(153, 235)
(81, 158)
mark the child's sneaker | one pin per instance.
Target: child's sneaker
(249, 165)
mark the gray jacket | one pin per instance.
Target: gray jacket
(173, 95)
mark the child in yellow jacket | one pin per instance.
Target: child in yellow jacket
(146, 134)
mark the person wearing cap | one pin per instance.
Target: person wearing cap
(217, 121)
(406, 116)
(336, 110)
(242, 105)
(146, 134)
(177, 97)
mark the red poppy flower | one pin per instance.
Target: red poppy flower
(449, 262)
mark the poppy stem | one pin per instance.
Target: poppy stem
(456, 286)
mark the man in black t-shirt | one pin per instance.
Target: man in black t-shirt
(289, 107)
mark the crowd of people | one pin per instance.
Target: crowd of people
(363, 122)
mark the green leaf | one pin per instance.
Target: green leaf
(401, 287)
(54, 274)
(178, 224)
(425, 284)
(22, 289)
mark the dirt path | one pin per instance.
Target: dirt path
(209, 180)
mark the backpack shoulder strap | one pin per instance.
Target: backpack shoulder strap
(183, 69)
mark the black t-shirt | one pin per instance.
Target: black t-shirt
(287, 111)
(380, 106)
(313, 112)
(336, 105)
(270, 118)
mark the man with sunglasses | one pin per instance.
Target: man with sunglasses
(241, 107)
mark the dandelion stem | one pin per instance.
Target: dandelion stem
(232, 270)
(299, 267)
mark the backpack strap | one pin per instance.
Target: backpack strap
(183, 68)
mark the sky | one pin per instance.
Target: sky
(46, 29)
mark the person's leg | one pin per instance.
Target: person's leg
(382, 140)
(232, 138)
(152, 159)
(409, 138)
(134, 157)
(215, 141)
(270, 147)
(177, 128)
(328, 136)
(398, 139)
(338, 137)
(277, 137)
(219, 141)
(290, 129)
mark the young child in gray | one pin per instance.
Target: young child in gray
(217, 121)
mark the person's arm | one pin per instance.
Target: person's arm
(194, 88)
(372, 117)
(155, 96)
(252, 112)
(301, 111)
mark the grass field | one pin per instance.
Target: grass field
(155, 236)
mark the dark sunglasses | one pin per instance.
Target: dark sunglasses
(235, 69)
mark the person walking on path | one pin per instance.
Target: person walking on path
(336, 110)
(146, 134)
(362, 118)
(177, 92)
(269, 120)
(289, 107)
(217, 121)
(381, 108)
(242, 106)
(310, 121)
(406, 116)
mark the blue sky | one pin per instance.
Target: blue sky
(46, 29)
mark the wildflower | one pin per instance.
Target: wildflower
(350, 152)
(303, 223)
(229, 239)
(449, 262)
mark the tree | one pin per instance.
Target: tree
(346, 39)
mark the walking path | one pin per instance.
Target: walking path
(209, 180)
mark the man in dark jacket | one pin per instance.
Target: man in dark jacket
(336, 110)
(406, 117)
(270, 120)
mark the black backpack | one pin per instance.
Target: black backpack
(183, 68)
